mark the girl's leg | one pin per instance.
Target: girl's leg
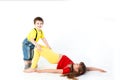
(49, 55)
(35, 58)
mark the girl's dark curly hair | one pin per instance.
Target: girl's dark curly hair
(73, 73)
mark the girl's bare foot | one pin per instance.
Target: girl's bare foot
(29, 70)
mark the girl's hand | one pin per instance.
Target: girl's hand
(102, 71)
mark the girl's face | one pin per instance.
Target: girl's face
(76, 67)
(38, 24)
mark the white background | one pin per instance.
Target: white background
(85, 30)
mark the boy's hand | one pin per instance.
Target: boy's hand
(38, 47)
(49, 47)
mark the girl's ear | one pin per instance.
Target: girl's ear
(81, 72)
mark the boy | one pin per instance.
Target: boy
(31, 41)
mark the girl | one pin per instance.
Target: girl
(65, 65)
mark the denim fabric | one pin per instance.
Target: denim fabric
(28, 49)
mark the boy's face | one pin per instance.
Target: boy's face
(38, 24)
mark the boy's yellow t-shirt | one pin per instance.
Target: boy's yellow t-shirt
(32, 35)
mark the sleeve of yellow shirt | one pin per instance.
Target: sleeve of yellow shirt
(42, 36)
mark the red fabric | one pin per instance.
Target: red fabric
(63, 64)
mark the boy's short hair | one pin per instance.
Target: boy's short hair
(39, 19)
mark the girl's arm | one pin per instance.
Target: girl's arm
(46, 43)
(95, 69)
(60, 71)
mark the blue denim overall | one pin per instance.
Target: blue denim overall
(28, 49)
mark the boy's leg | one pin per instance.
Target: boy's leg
(26, 53)
(27, 64)
(31, 57)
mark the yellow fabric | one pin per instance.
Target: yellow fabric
(32, 34)
(47, 53)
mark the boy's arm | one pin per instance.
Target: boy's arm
(60, 71)
(36, 44)
(33, 41)
(95, 69)
(46, 43)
